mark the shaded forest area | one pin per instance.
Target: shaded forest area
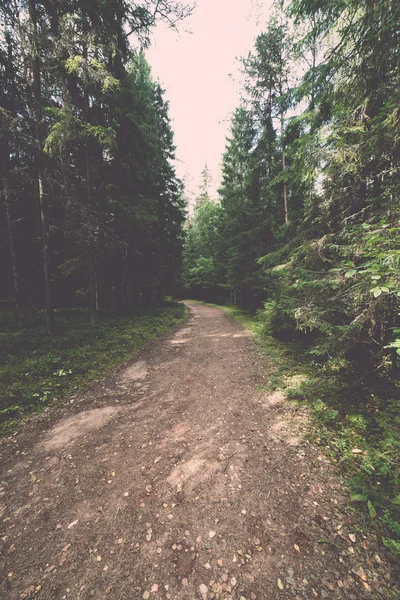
(306, 230)
(91, 208)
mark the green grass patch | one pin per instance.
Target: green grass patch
(355, 417)
(38, 369)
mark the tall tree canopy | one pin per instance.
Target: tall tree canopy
(91, 208)
(309, 205)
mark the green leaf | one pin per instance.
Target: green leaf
(371, 509)
(358, 498)
(385, 289)
(376, 277)
(350, 273)
(396, 500)
(376, 292)
(324, 541)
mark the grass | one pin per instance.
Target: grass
(38, 369)
(356, 420)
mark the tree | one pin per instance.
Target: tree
(267, 82)
(206, 181)
(201, 257)
(103, 201)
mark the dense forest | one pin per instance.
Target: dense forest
(91, 209)
(308, 217)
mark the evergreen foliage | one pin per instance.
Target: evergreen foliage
(91, 209)
(309, 197)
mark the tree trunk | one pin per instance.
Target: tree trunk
(93, 299)
(11, 242)
(46, 257)
(40, 159)
(91, 262)
(285, 201)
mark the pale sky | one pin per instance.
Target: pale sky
(198, 68)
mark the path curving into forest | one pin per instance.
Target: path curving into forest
(180, 477)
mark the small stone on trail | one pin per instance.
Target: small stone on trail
(28, 593)
(146, 595)
(154, 588)
(203, 590)
(211, 534)
(365, 584)
(72, 524)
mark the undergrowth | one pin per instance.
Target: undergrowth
(38, 369)
(356, 418)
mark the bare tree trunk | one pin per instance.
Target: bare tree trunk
(37, 110)
(46, 257)
(11, 242)
(285, 200)
(93, 298)
(91, 263)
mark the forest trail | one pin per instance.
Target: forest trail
(180, 477)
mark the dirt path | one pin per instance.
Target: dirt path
(177, 479)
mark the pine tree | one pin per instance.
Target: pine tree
(88, 156)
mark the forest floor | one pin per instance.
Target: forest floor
(39, 370)
(180, 477)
